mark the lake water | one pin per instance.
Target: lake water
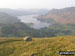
(36, 23)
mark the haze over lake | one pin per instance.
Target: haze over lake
(36, 23)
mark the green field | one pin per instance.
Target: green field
(36, 47)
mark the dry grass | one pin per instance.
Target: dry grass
(38, 46)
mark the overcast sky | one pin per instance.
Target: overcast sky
(31, 4)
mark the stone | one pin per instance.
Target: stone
(28, 38)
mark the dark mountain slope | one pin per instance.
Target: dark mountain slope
(5, 18)
(12, 26)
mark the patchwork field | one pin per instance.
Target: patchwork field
(36, 47)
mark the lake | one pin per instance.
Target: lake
(36, 23)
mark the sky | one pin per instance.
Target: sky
(34, 4)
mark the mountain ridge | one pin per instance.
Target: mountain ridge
(62, 16)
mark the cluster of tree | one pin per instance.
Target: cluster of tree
(59, 30)
(21, 30)
(15, 30)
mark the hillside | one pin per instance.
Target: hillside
(5, 18)
(60, 16)
(38, 46)
(12, 26)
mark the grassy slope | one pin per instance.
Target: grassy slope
(39, 47)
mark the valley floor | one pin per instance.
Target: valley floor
(37, 47)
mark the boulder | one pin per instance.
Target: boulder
(28, 38)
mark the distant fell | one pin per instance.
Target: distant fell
(5, 18)
(60, 16)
